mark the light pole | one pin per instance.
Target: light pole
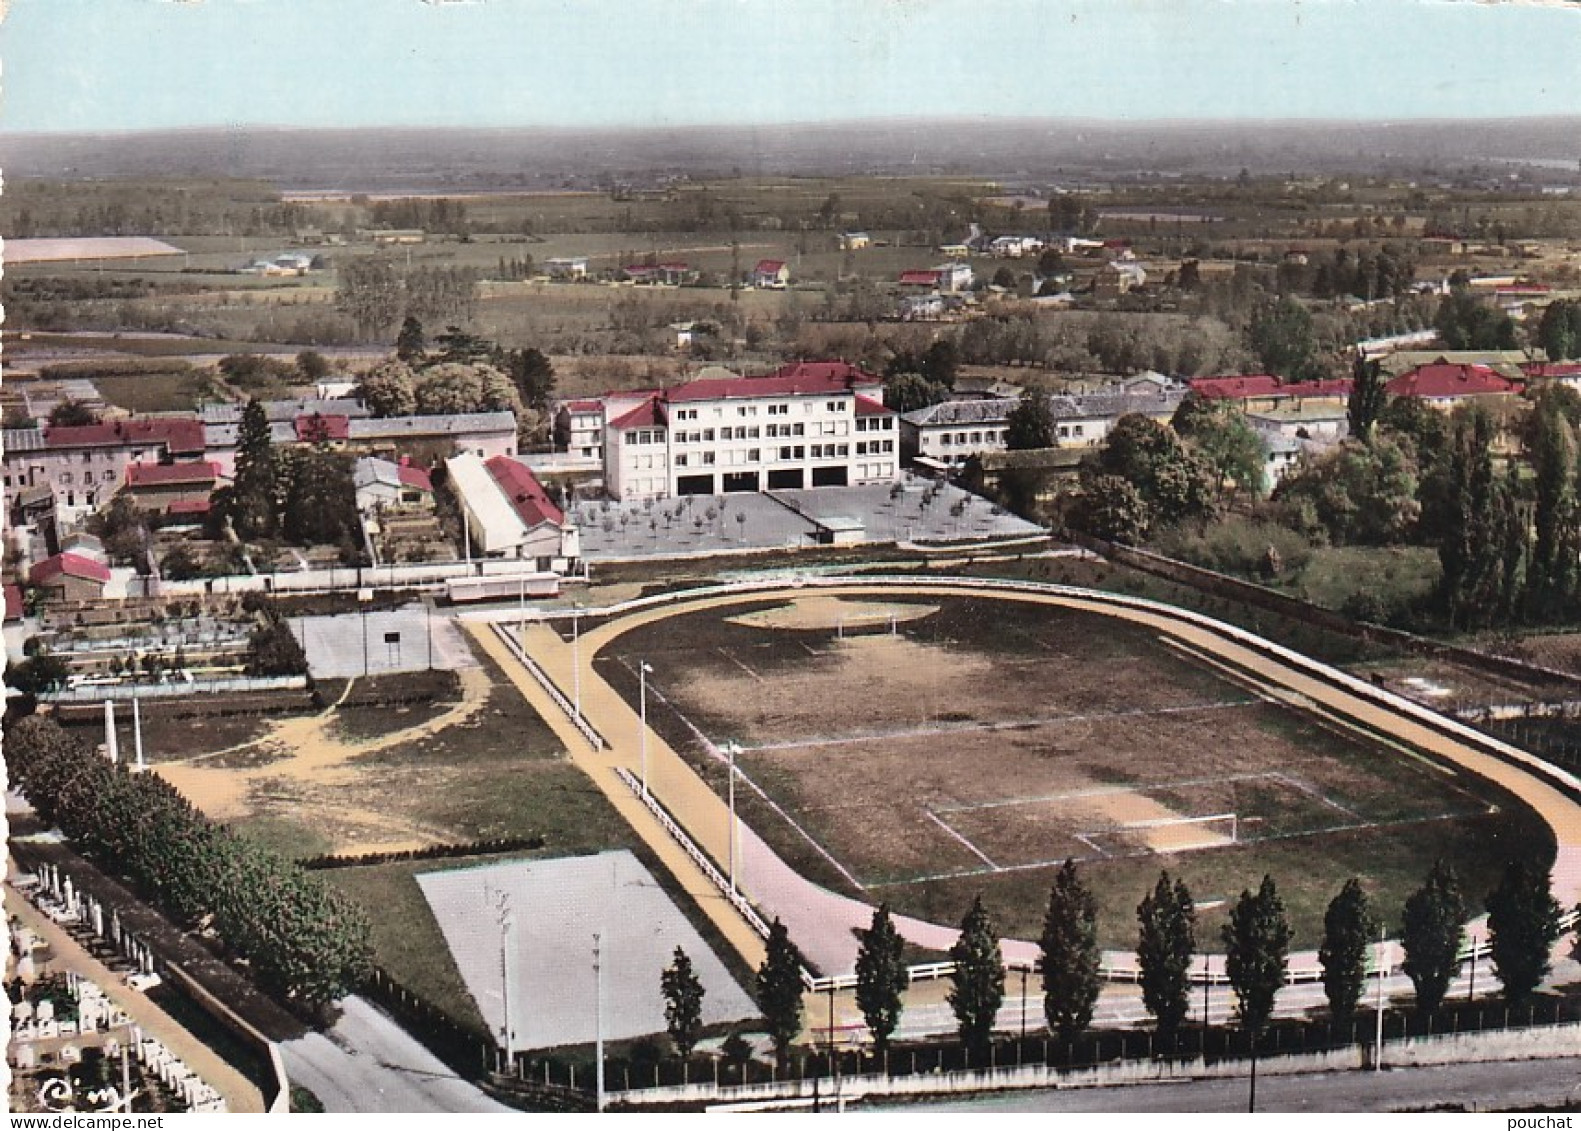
(643, 668)
(521, 610)
(507, 923)
(1377, 1056)
(732, 748)
(576, 660)
(598, 1022)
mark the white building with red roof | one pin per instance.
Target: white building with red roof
(1445, 385)
(771, 274)
(85, 464)
(508, 514)
(808, 424)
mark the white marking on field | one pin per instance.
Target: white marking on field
(970, 847)
(739, 664)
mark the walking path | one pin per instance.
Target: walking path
(240, 1093)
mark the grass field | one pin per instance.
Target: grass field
(981, 744)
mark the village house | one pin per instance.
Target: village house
(771, 274)
(70, 577)
(84, 464)
(855, 241)
(385, 483)
(566, 269)
(157, 487)
(1446, 386)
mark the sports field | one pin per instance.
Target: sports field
(920, 751)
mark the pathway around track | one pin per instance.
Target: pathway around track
(824, 923)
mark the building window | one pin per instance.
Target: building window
(831, 406)
(680, 460)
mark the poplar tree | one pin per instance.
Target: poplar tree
(1165, 944)
(1348, 928)
(1432, 931)
(979, 979)
(1070, 955)
(1523, 925)
(881, 978)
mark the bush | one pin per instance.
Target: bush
(1243, 547)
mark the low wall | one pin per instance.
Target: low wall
(1544, 1043)
(280, 1102)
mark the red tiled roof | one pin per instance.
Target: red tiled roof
(317, 427)
(721, 388)
(645, 415)
(13, 602)
(1446, 380)
(591, 404)
(414, 477)
(70, 565)
(867, 406)
(188, 506)
(674, 266)
(769, 266)
(162, 474)
(181, 436)
(920, 278)
(1216, 388)
(829, 370)
(1552, 369)
(524, 491)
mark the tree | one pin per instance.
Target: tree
(881, 978)
(1554, 574)
(1174, 482)
(273, 650)
(369, 290)
(1523, 925)
(389, 389)
(1280, 335)
(1359, 494)
(72, 414)
(411, 345)
(1031, 422)
(458, 345)
(38, 673)
(1367, 397)
(1166, 941)
(455, 387)
(312, 365)
(1465, 322)
(907, 392)
(1348, 927)
(255, 489)
(1432, 931)
(180, 563)
(683, 1003)
(1475, 526)
(1218, 433)
(779, 991)
(1069, 956)
(978, 983)
(1559, 332)
(531, 372)
(1257, 949)
(1109, 507)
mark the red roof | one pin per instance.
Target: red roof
(13, 602)
(673, 266)
(867, 406)
(919, 278)
(1236, 388)
(188, 506)
(1552, 369)
(1442, 379)
(524, 491)
(317, 427)
(1264, 385)
(830, 371)
(163, 474)
(181, 436)
(645, 415)
(414, 477)
(769, 267)
(70, 565)
(720, 388)
(589, 405)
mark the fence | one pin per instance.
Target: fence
(96, 693)
(1459, 1032)
(579, 720)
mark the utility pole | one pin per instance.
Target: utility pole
(576, 660)
(507, 922)
(598, 1021)
(732, 748)
(643, 668)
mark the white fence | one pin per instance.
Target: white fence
(579, 720)
(121, 692)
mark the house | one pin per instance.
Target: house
(922, 308)
(1563, 372)
(807, 424)
(70, 577)
(1014, 247)
(925, 280)
(384, 483)
(1444, 386)
(15, 608)
(85, 464)
(855, 241)
(1281, 453)
(1260, 392)
(581, 424)
(1116, 278)
(567, 269)
(1322, 422)
(954, 277)
(954, 250)
(771, 274)
(398, 236)
(507, 513)
(156, 486)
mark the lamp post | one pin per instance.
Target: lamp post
(1377, 1056)
(576, 660)
(732, 749)
(507, 922)
(643, 669)
(598, 1022)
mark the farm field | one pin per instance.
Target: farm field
(928, 750)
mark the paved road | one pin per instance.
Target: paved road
(366, 1062)
(1477, 1087)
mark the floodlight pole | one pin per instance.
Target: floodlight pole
(576, 661)
(732, 748)
(507, 923)
(1377, 1057)
(643, 668)
(598, 1022)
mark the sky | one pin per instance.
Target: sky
(112, 65)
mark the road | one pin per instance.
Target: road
(1475, 1087)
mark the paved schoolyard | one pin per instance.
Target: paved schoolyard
(557, 907)
(354, 644)
(920, 511)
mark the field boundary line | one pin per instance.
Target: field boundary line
(970, 847)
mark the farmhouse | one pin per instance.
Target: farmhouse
(771, 274)
(382, 483)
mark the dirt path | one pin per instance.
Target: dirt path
(312, 769)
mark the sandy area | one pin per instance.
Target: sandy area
(1136, 813)
(314, 776)
(815, 612)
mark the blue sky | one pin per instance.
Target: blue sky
(148, 64)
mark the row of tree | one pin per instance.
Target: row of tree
(303, 940)
(1523, 926)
